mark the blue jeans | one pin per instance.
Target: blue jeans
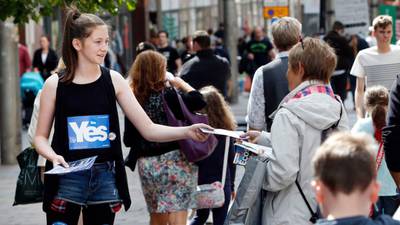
(219, 214)
(89, 187)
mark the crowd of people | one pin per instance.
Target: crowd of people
(295, 104)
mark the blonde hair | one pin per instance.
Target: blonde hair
(345, 162)
(376, 100)
(286, 32)
(218, 112)
(317, 58)
(147, 74)
(382, 21)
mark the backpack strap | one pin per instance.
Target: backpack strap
(314, 215)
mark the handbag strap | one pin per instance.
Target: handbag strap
(314, 215)
(184, 108)
(225, 165)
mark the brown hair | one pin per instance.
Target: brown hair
(382, 21)
(218, 112)
(147, 74)
(202, 38)
(286, 32)
(77, 26)
(376, 100)
(316, 56)
(345, 162)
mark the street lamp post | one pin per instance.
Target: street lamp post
(230, 26)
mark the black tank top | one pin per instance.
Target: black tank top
(85, 124)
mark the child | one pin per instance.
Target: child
(376, 102)
(81, 101)
(210, 169)
(345, 180)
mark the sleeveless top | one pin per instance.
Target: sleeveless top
(86, 124)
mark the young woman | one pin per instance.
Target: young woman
(376, 101)
(297, 131)
(210, 169)
(45, 59)
(81, 101)
(167, 178)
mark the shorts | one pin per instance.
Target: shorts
(89, 187)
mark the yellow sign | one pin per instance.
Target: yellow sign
(275, 11)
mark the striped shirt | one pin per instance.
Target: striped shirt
(377, 68)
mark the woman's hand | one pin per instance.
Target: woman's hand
(196, 134)
(59, 160)
(251, 135)
(180, 84)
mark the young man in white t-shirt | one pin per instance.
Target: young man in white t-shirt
(378, 65)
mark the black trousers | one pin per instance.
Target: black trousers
(339, 83)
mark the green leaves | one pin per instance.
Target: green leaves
(23, 10)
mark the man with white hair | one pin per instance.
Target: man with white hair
(270, 84)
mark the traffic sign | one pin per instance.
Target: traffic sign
(275, 11)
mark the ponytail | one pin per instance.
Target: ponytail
(77, 26)
(378, 115)
(376, 100)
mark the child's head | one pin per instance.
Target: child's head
(345, 170)
(147, 74)
(217, 110)
(376, 100)
(85, 35)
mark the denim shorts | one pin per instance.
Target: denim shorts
(89, 187)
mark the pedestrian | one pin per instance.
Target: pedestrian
(24, 59)
(188, 52)
(377, 65)
(45, 59)
(167, 178)
(391, 133)
(345, 181)
(210, 169)
(376, 103)
(206, 68)
(297, 131)
(174, 62)
(270, 84)
(345, 57)
(259, 51)
(82, 102)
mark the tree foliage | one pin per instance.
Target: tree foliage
(24, 10)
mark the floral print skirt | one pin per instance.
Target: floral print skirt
(168, 182)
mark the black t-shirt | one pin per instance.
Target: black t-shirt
(260, 50)
(360, 220)
(171, 54)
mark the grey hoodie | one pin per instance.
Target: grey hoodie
(295, 136)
